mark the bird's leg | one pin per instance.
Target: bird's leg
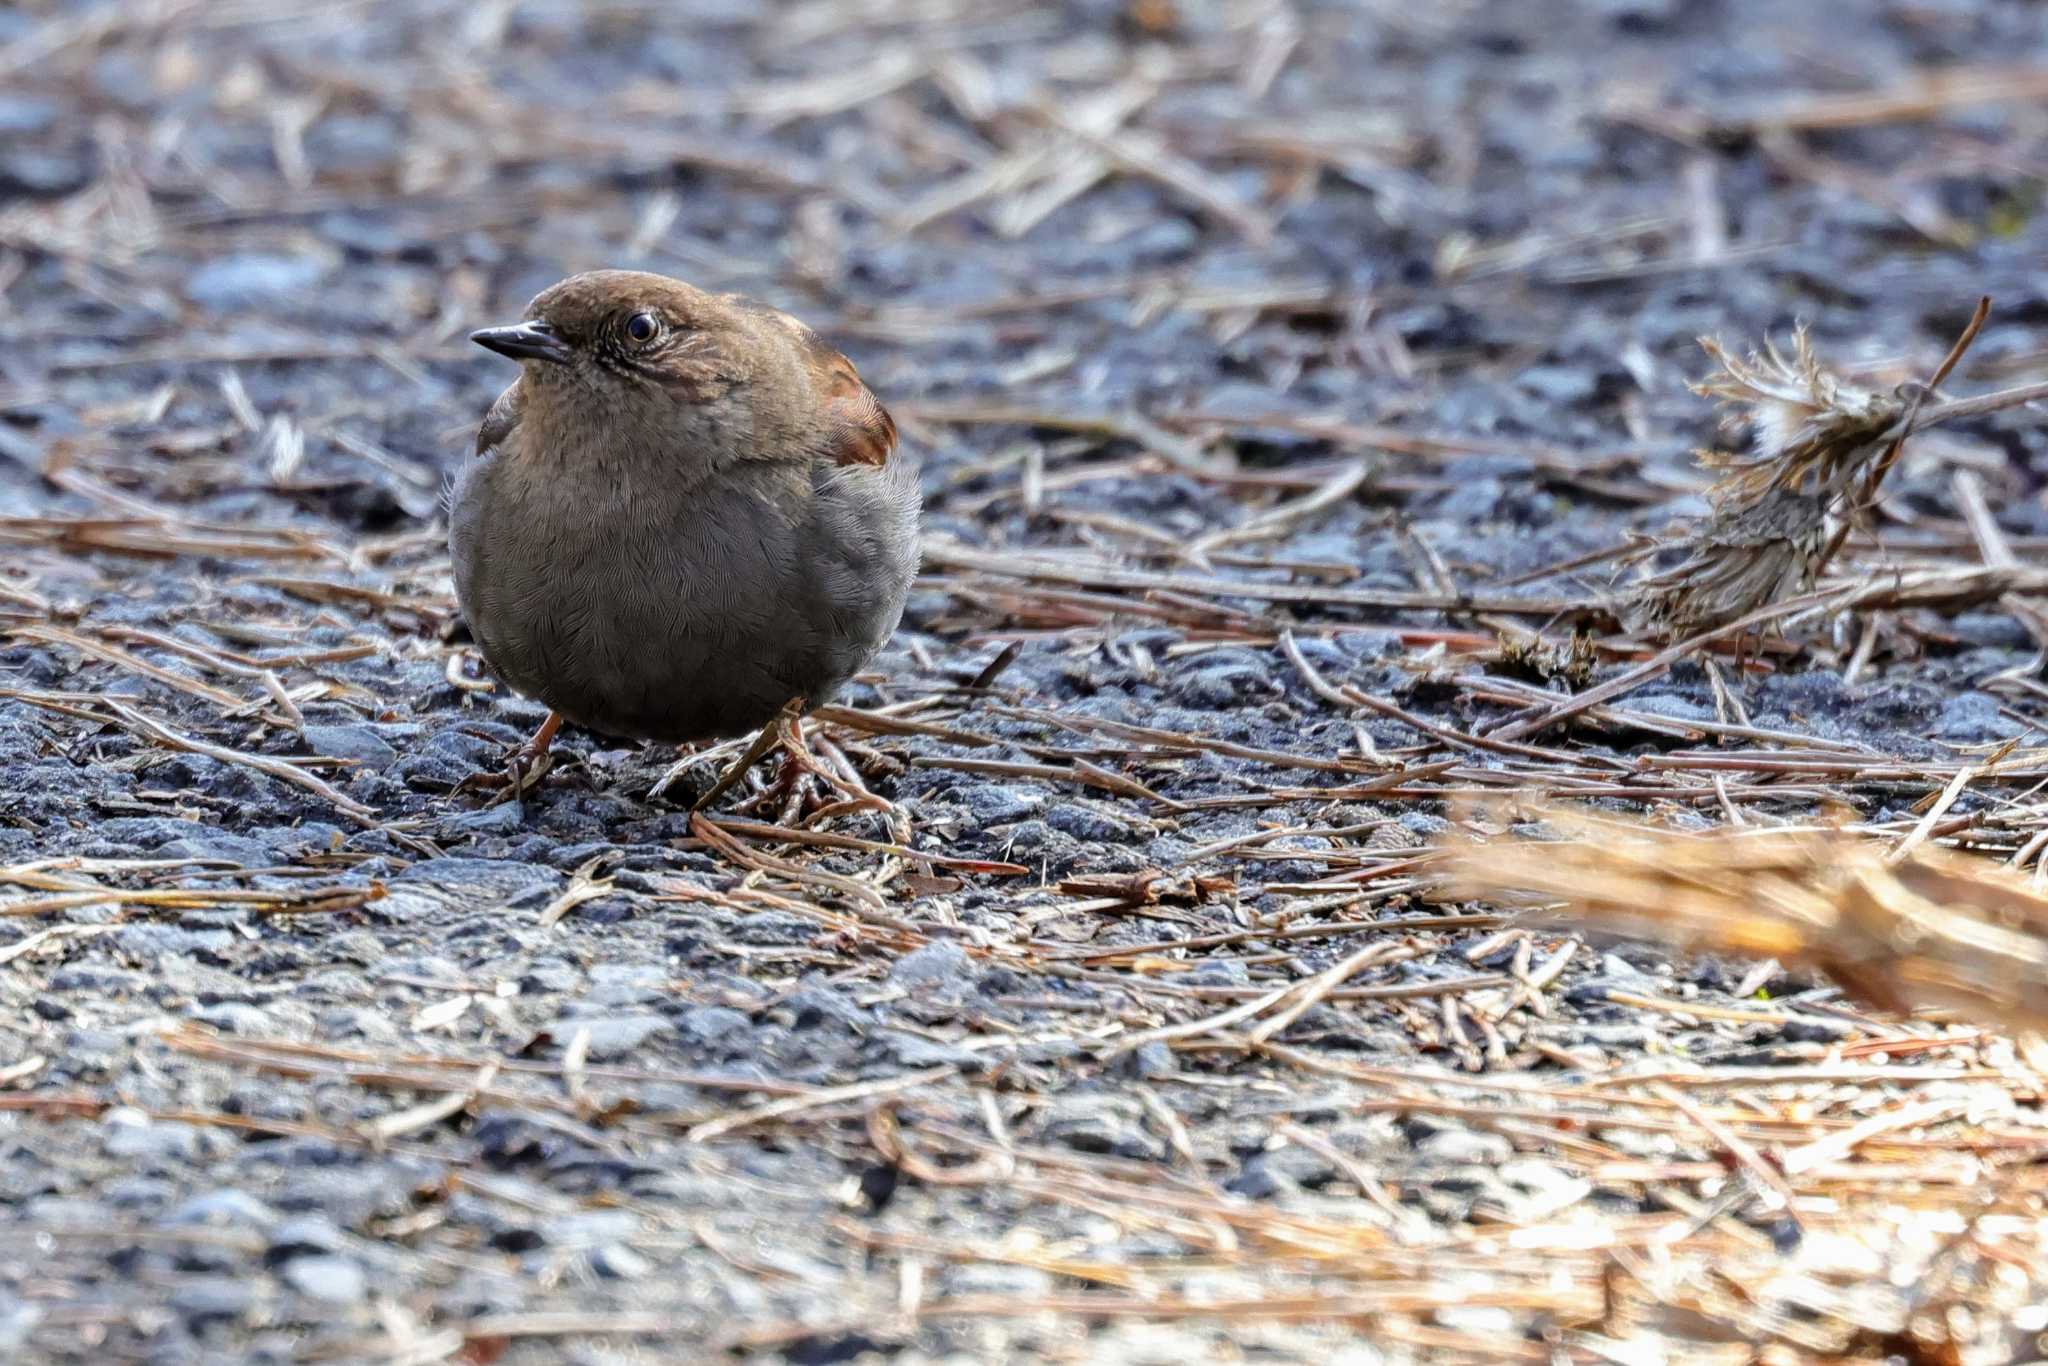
(525, 765)
(818, 783)
(763, 742)
(854, 794)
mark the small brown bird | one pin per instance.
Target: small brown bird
(687, 518)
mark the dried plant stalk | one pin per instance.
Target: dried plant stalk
(1822, 446)
(1935, 930)
(1817, 438)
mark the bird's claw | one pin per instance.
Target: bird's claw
(807, 787)
(526, 765)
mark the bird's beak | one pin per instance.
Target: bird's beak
(523, 341)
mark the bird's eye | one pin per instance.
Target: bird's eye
(641, 327)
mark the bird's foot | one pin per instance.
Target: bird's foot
(526, 765)
(816, 781)
(792, 711)
(844, 778)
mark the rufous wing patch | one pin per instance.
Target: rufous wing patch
(859, 429)
(863, 433)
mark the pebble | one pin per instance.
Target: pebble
(1087, 822)
(1974, 719)
(254, 280)
(33, 174)
(206, 1299)
(153, 941)
(997, 805)
(332, 1280)
(99, 978)
(357, 742)
(17, 1321)
(549, 975)
(304, 1235)
(1151, 1061)
(1278, 1170)
(504, 818)
(815, 1006)
(134, 1137)
(235, 1018)
(1465, 1147)
(611, 1036)
(22, 115)
(943, 962)
(617, 1262)
(1101, 1129)
(228, 1206)
(712, 1024)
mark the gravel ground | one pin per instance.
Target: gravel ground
(1257, 354)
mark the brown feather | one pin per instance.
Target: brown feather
(863, 433)
(861, 430)
(502, 418)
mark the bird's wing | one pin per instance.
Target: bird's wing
(859, 429)
(862, 432)
(502, 418)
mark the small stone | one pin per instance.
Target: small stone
(1101, 1129)
(22, 114)
(637, 976)
(138, 1194)
(1277, 1170)
(503, 819)
(228, 1207)
(350, 742)
(1974, 719)
(612, 1036)
(17, 1321)
(131, 1140)
(1218, 972)
(29, 173)
(1614, 965)
(154, 942)
(235, 1017)
(1561, 384)
(1087, 821)
(943, 962)
(209, 1299)
(995, 805)
(304, 1236)
(1463, 1147)
(253, 280)
(1225, 686)
(709, 1024)
(590, 1228)
(616, 1261)
(1151, 1061)
(334, 1280)
(548, 975)
(97, 977)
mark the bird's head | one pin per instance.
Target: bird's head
(636, 362)
(610, 333)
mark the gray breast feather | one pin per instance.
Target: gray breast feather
(681, 618)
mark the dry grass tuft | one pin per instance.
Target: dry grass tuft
(1822, 444)
(1932, 929)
